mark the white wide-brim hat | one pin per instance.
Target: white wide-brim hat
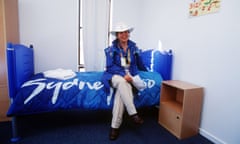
(121, 27)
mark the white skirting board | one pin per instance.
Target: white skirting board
(211, 137)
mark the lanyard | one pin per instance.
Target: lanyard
(127, 58)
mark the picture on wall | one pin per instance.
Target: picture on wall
(202, 7)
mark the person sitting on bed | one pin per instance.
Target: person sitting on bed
(121, 73)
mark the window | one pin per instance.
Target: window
(94, 26)
(80, 39)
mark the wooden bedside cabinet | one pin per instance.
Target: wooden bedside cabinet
(180, 108)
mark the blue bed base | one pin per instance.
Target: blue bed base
(20, 61)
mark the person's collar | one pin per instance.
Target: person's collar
(130, 43)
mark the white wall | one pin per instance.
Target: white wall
(206, 52)
(52, 27)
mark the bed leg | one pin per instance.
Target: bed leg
(15, 137)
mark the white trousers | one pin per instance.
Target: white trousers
(123, 98)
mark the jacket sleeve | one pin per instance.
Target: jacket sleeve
(109, 55)
(111, 66)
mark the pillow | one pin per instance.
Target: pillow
(158, 61)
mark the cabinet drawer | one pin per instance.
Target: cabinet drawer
(170, 119)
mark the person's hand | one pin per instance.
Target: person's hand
(128, 78)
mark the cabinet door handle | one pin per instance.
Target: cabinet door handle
(178, 117)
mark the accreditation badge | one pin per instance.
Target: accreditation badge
(123, 62)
